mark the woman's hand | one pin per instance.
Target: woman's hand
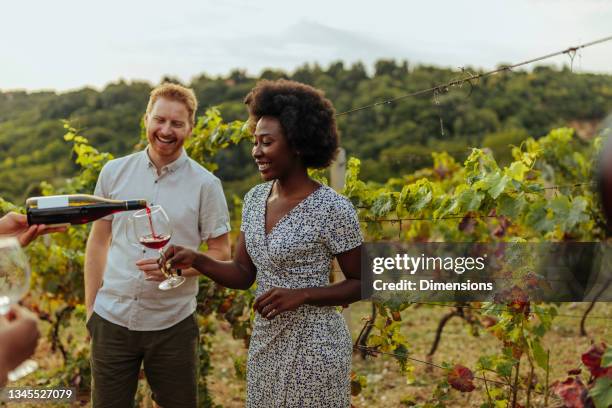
(279, 300)
(178, 257)
(17, 225)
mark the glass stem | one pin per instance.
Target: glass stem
(165, 271)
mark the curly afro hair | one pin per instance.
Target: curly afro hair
(306, 116)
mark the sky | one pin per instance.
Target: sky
(67, 44)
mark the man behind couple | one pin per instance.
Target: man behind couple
(292, 228)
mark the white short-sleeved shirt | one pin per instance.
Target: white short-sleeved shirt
(194, 201)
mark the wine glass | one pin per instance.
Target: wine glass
(151, 228)
(14, 284)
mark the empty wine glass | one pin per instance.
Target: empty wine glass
(14, 284)
(152, 229)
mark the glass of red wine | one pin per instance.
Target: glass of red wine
(152, 229)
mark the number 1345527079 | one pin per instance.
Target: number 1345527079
(27, 394)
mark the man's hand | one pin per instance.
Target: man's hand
(17, 225)
(151, 269)
(178, 257)
(18, 339)
(278, 300)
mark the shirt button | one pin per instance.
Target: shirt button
(155, 181)
(135, 298)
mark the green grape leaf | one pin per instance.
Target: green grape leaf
(606, 359)
(414, 197)
(446, 206)
(517, 171)
(540, 356)
(504, 368)
(469, 200)
(485, 363)
(602, 392)
(568, 213)
(538, 218)
(510, 206)
(494, 183)
(577, 213)
(383, 205)
(499, 186)
(560, 207)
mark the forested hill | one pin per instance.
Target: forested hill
(390, 139)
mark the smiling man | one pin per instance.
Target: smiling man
(130, 320)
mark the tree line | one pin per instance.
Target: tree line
(390, 140)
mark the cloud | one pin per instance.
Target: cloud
(207, 36)
(307, 41)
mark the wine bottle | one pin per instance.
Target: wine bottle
(75, 208)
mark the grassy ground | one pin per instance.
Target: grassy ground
(386, 386)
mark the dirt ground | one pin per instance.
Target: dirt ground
(386, 386)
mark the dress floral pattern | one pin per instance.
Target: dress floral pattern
(300, 358)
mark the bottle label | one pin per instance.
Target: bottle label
(53, 202)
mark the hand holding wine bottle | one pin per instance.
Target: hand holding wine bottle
(15, 224)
